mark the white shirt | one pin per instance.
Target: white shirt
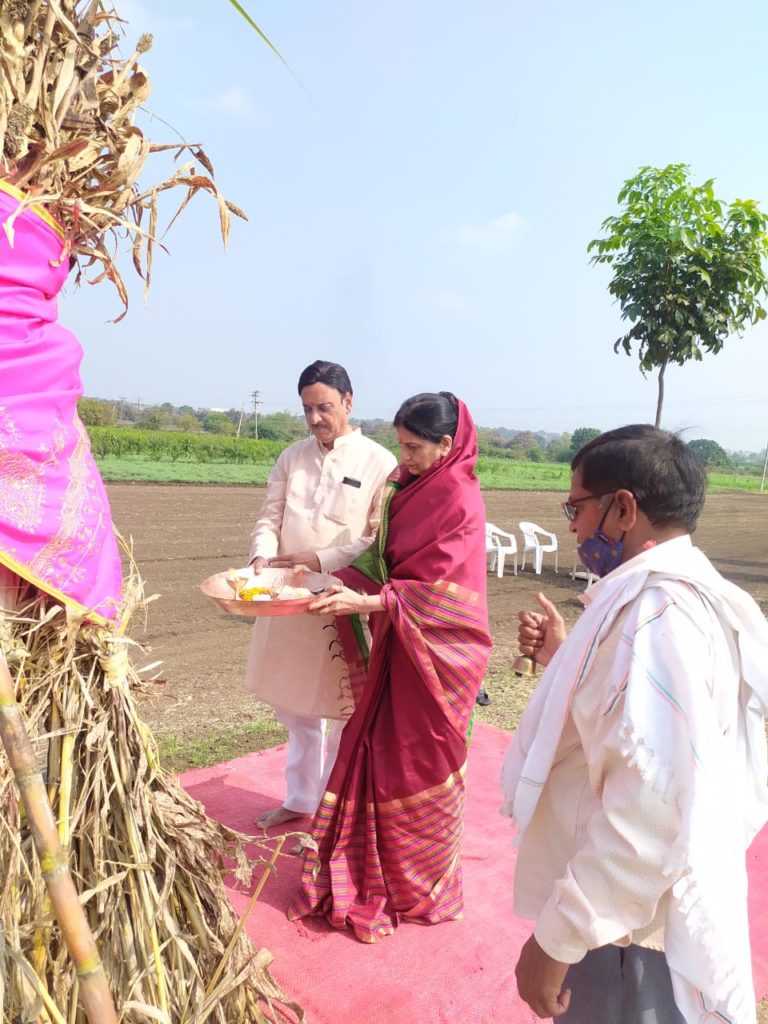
(591, 868)
(324, 501)
(637, 777)
(327, 501)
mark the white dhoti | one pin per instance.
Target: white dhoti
(294, 664)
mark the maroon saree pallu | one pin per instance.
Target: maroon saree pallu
(389, 827)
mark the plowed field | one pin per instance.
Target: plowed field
(182, 534)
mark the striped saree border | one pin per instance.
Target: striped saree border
(408, 852)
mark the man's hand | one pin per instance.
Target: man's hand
(539, 635)
(306, 559)
(540, 981)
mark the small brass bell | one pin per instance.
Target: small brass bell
(524, 666)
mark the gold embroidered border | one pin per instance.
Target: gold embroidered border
(415, 800)
(21, 570)
(36, 208)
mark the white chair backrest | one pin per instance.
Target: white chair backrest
(538, 540)
(499, 544)
(531, 529)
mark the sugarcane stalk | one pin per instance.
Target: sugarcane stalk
(140, 859)
(241, 923)
(150, 859)
(65, 788)
(40, 945)
(54, 752)
(96, 997)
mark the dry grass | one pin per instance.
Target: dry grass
(68, 138)
(147, 861)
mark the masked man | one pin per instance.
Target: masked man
(637, 777)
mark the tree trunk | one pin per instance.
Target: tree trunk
(660, 399)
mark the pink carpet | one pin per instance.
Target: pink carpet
(461, 972)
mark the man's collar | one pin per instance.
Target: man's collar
(340, 441)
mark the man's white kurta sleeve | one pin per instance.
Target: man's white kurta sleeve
(265, 539)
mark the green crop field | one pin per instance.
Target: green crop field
(159, 471)
(171, 457)
(494, 474)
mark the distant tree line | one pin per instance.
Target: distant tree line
(285, 427)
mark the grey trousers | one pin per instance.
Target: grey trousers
(615, 985)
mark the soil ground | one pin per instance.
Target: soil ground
(182, 534)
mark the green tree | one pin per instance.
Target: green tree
(580, 437)
(282, 426)
(710, 453)
(95, 412)
(188, 423)
(489, 439)
(379, 430)
(535, 453)
(218, 423)
(558, 451)
(687, 270)
(521, 439)
(152, 418)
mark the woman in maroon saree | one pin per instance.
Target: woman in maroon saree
(389, 827)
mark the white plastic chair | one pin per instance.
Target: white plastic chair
(499, 545)
(539, 541)
(578, 572)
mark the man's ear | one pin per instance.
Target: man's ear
(626, 504)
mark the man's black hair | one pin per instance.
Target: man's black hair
(663, 472)
(322, 372)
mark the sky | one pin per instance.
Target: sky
(421, 188)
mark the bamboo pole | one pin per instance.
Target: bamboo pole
(94, 990)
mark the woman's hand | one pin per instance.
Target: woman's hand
(340, 600)
(539, 635)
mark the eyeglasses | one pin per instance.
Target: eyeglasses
(571, 508)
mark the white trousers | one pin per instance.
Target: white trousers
(310, 759)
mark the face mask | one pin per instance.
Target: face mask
(599, 554)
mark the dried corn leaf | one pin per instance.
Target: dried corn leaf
(68, 100)
(147, 860)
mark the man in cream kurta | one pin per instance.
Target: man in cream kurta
(321, 510)
(637, 777)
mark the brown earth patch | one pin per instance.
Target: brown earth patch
(182, 534)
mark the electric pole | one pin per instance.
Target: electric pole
(256, 399)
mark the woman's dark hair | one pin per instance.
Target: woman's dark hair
(321, 372)
(429, 416)
(663, 472)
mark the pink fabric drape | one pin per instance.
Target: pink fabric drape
(55, 523)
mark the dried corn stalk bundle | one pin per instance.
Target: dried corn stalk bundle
(68, 102)
(145, 858)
